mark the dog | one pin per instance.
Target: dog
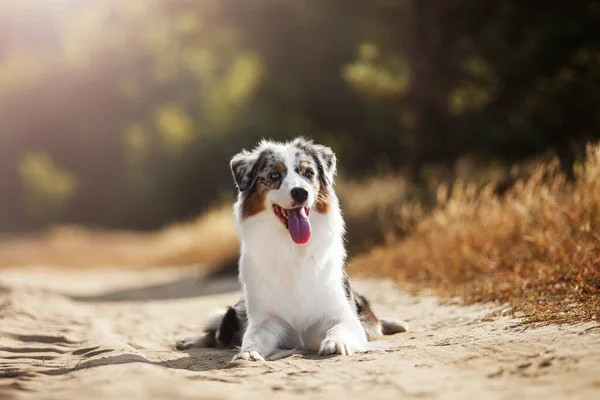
(295, 292)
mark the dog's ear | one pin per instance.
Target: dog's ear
(242, 165)
(327, 159)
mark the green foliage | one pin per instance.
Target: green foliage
(367, 75)
(48, 188)
(174, 126)
(143, 102)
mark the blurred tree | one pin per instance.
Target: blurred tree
(47, 188)
(140, 104)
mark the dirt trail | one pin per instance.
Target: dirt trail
(108, 334)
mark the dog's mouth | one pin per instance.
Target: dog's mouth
(296, 222)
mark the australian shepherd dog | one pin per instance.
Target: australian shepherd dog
(295, 293)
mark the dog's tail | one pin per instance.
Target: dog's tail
(391, 326)
(208, 338)
(385, 327)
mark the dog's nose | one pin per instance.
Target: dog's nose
(299, 195)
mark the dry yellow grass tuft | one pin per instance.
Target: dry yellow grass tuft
(377, 211)
(210, 239)
(537, 247)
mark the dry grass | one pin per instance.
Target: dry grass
(377, 211)
(210, 240)
(380, 210)
(537, 247)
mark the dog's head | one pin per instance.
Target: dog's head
(287, 181)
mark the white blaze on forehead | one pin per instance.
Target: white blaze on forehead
(292, 165)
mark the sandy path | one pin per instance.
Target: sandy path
(110, 334)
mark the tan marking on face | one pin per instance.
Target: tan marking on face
(255, 203)
(322, 201)
(304, 165)
(279, 167)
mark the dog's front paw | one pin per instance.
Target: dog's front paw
(249, 356)
(333, 347)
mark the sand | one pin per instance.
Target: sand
(110, 334)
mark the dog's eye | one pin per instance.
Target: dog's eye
(309, 173)
(274, 176)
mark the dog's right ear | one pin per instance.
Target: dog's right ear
(241, 166)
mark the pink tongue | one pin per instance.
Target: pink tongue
(299, 225)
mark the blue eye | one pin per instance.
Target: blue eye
(274, 176)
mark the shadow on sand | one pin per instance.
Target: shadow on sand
(196, 360)
(223, 280)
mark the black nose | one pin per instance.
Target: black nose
(299, 195)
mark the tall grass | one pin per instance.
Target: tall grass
(537, 247)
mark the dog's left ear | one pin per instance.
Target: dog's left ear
(242, 165)
(327, 159)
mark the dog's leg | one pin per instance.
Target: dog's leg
(345, 337)
(261, 340)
